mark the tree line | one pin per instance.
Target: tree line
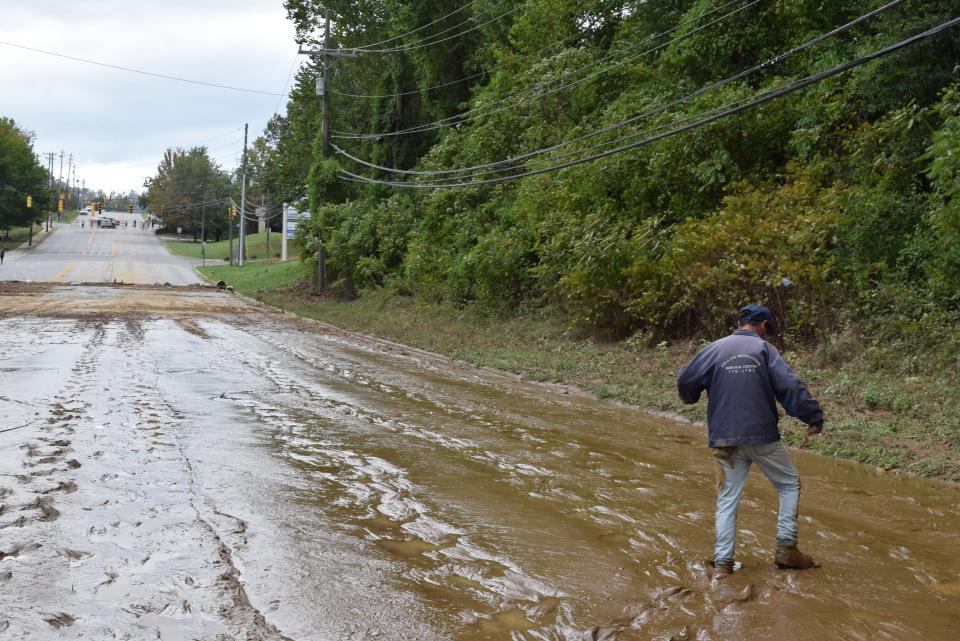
(21, 176)
(831, 204)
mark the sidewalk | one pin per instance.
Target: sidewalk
(24, 247)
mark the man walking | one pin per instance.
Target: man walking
(744, 376)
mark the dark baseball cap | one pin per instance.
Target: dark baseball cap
(757, 314)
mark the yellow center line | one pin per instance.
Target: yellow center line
(113, 249)
(59, 277)
(93, 234)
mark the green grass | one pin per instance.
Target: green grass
(909, 424)
(18, 235)
(256, 248)
(255, 277)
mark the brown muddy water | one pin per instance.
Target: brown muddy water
(209, 470)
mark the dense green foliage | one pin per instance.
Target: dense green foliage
(845, 189)
(189, 192)
(20, 176)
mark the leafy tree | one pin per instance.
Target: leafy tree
(20, 176)
(190, 191)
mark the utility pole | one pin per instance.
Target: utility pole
(67, 188)
(203, 225)
(243, 199)
(325, 96)
(230, 217)
(50, 175)
(322, 91)
(266, 225)
(59, 191)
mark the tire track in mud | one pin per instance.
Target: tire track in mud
(122, 524)
(44, 462)
(375, 499)
(234, 606)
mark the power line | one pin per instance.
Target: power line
(415, 46)
(139, 71)
(429, 24)
(226, 144)
(783, 91)
(562, 41)
(293, 66)
(226, 133)
(452, 82)
(776, 60)
(536, 89)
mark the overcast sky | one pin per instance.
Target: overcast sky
(116, 123)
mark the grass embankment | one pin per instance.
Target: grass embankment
(905, 423)
(256, 248)
(18, 235)
(254, 278)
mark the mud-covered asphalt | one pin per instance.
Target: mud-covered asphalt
(177, 464)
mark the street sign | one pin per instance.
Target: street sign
(291, 216)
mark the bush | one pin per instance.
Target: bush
(712, 266)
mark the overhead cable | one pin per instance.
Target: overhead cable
(501, 65)
(413, 31)
(139, 71)
(540, 91)
(510, 163)
(424, 43)
(783, 91)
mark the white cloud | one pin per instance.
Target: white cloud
(116, 123)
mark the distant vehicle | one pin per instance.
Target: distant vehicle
(108, 222)
(85, 211)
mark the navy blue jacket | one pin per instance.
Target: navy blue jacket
(744, 376)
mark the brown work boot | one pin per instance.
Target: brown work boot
(788, 557)
(724, 567)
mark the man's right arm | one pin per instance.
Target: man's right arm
(793, 395)
(690, 383)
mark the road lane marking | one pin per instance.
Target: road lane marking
(58, 277)
(113, 249)
(93, 234)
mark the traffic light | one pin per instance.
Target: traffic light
(130, 208)
(29, 202)
(162, 207)
(60, 205)
(99, 208)
(233, 211)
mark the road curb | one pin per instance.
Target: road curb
(24, 247)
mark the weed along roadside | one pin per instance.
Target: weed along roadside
(907, 424)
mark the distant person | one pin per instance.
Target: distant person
(3, 253)
(744, 376)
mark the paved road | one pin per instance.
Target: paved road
(177, 464)
(79, 254)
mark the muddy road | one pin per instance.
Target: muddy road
(177, 464)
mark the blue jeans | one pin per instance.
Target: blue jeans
(774, 461)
